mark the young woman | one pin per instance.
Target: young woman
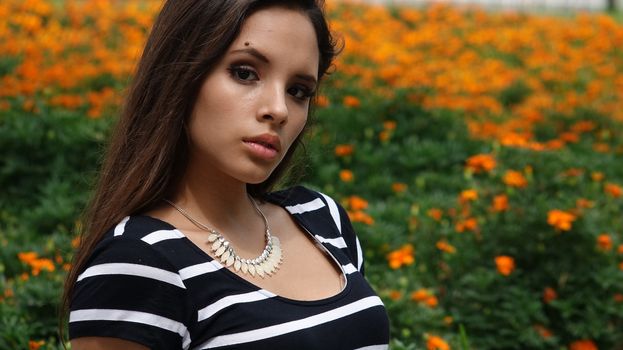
(187, 248)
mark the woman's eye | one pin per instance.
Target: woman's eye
(243, 73)
(301, 93)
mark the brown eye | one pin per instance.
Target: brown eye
(243, 73)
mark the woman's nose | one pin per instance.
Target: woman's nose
(273, 105)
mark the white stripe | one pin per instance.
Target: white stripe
(132, 316)
(162, 235)
(375, 347)
(349, 268)
(305, 207)
(335, 214)
(120, 228)
(292, 326)
(133, 270)
(199, 269)
(359, 254)
(230, 300)
(336, 242)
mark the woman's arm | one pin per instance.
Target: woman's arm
(103, 343)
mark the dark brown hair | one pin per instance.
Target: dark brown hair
(148, 149)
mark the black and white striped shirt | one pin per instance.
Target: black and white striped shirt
(146, 282)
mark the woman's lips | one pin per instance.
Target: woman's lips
(265, 146)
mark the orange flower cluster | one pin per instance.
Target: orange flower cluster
(344, 150)
(346, 175)
(514, 178)
(36, 264)
(549, 294)
(604, 242)
(469, 224)
(61, 48)
(584, 344)
(468, 72)
(399, 187)
(436, 343)
(481, 163)
(444, 246)
(500, 203)
(425, 297)
(560, 220)
(356, 206)
(613, 190)
(435, 213)
(505, 264)
(401, 257)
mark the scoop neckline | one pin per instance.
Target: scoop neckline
(227, 272)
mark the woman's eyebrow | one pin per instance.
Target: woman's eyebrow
(253, 52)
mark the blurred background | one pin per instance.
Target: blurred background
(475, 144)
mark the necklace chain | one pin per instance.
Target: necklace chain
(266, 264)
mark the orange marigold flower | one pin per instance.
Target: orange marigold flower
(515, 179)
(444, 246)
(420, 295)
(395, 295)
(448, 320)
(435, 213)
(351, 101)
(343, 150)
(360, 216)
(618, 297)
(431, 301)
(389, 125)
(8, 293)
(601, 147)
(469, 224)
(604, 242)
(39, 265)
(27, 257)
(500, 203)
(481, 163)
(597, 176)
(468, 195)
(620, 249)
(560, 220)
(571, 137)
(35, 344)
(583, 203)
(613, 190)
(621, 266)
(436, 343)
(401, 257)
(322, 101)
(549, 294)
(505, 264)
(544, 332)
(384, 135)
(584, 344)
(357, 203)
(346, 175)
(75, 242)
(573, 172)
(583, 126)
(399, 187)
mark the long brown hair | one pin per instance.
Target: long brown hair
(147, 153)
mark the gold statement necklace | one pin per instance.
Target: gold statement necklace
(266, 264)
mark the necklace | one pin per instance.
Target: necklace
(265, 264)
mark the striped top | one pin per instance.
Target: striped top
(146, 282)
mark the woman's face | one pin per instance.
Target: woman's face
(254, 103)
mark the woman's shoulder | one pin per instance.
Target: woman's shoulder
(141, 238)
(299, 197)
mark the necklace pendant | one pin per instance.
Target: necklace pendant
(237, 265)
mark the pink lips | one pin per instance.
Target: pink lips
(265, 146)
